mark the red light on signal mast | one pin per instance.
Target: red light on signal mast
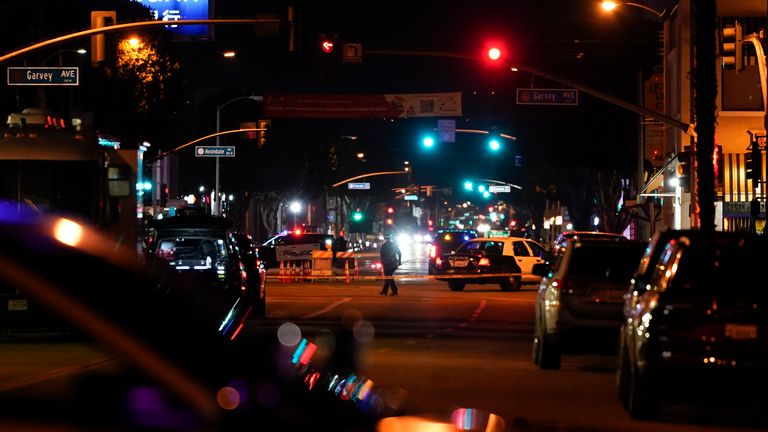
(494, 53)
(326, 46)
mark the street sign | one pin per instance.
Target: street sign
(44, 76)
(529, 96)
(411, 197)
(499, 188)
(358, 185)
(446, 130)
(352, 53)
(215, 151)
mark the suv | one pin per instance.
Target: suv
(584, 290)
(202, 247)
(447, 241)
(562, 239)
(698, 332)
(292, 246)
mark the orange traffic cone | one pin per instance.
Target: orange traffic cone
(346, 271)
(281, 272)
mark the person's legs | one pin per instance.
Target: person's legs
(388, 282)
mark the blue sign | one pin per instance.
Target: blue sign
(358, 185)
(547, 96)
(174, 10)
(215, 151)
(411, 197)
(43, 76)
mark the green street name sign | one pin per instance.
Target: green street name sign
(44, 76)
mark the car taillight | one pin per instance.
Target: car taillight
(438, 261)
(484, 262)
(433, 251)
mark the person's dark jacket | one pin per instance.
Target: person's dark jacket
(389, 254)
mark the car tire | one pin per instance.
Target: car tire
(642, 403)
(550, 356)
(456, 286)
(512, 283)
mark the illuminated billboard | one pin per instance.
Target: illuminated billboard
(174, 10)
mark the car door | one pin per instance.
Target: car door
(525, 259)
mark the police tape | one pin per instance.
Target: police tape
(300, 278)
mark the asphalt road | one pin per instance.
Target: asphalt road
(446, 350)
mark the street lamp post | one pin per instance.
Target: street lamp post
(217, 201)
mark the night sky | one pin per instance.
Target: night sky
(570, 38)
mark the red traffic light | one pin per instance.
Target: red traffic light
(327, 46)
(390, 210)
(494, 52)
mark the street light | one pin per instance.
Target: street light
(294, 207)
(79, 51)
(217, 204)
(609, 6)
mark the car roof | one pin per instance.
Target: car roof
(500, 239)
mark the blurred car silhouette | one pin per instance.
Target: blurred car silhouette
(255, 270)
(583, 292)
(697, 331)
(183, 356)
(205, 247)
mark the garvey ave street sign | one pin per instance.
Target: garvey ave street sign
(44, 76)
(212, 151)
(530, 96)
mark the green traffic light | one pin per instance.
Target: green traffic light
(357, 216)
(494, 144)
(428, 142)
(468, 185)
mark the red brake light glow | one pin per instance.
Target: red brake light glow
(433, 251)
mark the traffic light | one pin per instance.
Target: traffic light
(685, 159)
(428, 141)
(468, 185)
(358, 224)
(261, 136)
(731, 52)
(494, 52)
(390, 210)
(494, 144)
(98, 49)
(328, 43)
(753, 163)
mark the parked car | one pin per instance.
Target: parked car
(255, 271)
(699, 332)
(558, 246)
(203, 247)
(582, 292)
(292, 246)
(491, 256)
(446, 241)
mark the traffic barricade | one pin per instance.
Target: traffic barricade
(322, 264)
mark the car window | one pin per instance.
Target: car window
(536, 249)
(472, 246)
(520, 249)
(493, 248)
(192, 248)
(616, 264)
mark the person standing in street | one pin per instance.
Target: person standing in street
(390, 260)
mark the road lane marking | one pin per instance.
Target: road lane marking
(328, 308)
